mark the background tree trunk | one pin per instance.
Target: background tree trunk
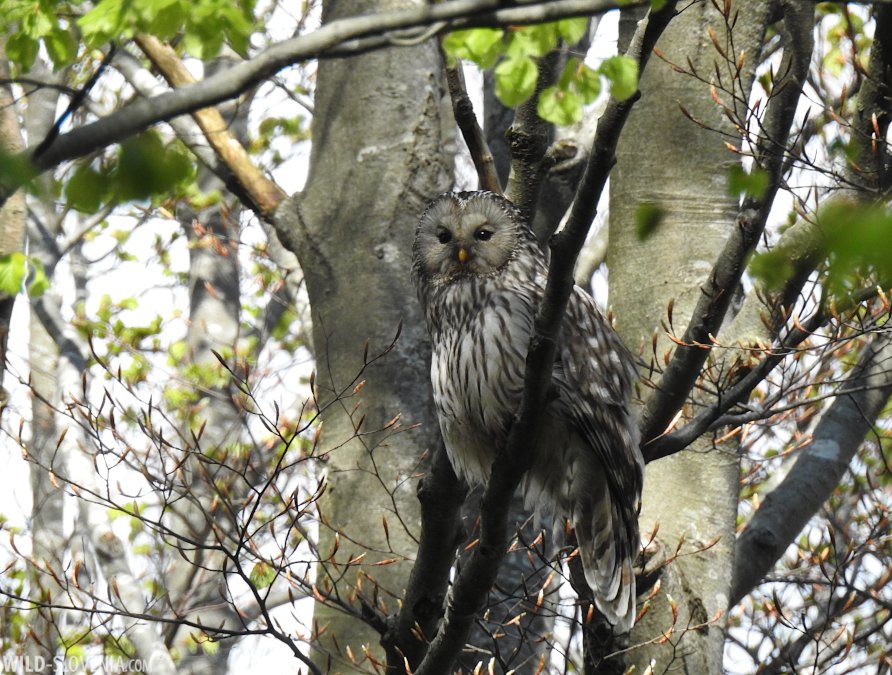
(214, 310)
(13, 213)
(379, 155)
(691, 497)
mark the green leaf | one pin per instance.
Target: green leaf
(536, 40)
(773, 268)
(204, 39)
(648, 217)
(559, 106)
(516, 80)
(209, 646)
(104, 21)
(12, 272)
(588, 83)
(38, 283)
(16, 170)
(61, 47)
(283, 325)
(146, 167)
(262, 575)
(480, 45)
(622, 72)
(238, 25)
(22, 50)
(752, 184)
(86, 189)
(584, 80)
(163, 18)
(572, 30)
(859, 248)
(177, 352)
(37, 24)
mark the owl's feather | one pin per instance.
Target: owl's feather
(480, 276)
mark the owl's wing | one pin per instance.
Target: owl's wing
(595, 376)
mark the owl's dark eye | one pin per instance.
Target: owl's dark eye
(483, 235)
(444, 236)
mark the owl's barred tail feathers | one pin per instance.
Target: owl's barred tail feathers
(607, 559)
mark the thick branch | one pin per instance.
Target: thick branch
(873, 112)
(528, 137)
(684, 368)
(441, 495)
(476, 578)
(819, 468)
(463, 111)
(264, 193)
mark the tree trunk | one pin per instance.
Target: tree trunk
(12, 213)
(47, 520)
(691, 497)
(378, 157)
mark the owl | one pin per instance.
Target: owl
(480, 276)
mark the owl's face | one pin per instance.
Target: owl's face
(466, 234)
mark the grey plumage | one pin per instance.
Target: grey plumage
(480, 276)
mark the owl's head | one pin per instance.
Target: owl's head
(467, 234)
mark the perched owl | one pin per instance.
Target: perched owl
(480, 276)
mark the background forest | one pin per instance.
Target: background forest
(220, 448)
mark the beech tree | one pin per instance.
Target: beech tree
(216, 376)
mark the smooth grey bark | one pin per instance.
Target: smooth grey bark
(95, 549)
(58, 362)
(47, 500)
(379, 154)
(666, 160)
(47, 534)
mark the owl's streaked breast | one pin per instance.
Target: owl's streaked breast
(477, 372)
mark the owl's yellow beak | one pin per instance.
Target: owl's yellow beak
(462, 255)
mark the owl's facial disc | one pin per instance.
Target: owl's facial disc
(463, 240)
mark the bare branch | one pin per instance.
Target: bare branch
(817, 471)
(463, 110)
(264, 193)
